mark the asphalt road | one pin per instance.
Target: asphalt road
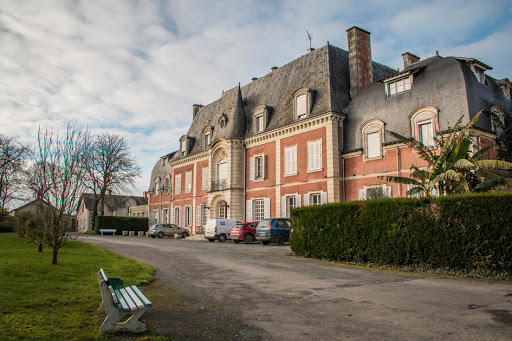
(253, 292)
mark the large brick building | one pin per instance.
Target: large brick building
(316, 130)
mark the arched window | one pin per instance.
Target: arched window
(302, 103)
(372, 133)
(157, 186)
(424, 125)
(260, 118)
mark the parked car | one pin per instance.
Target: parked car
(219, 229)
(276, 230)
(161, 230)
(245, 232)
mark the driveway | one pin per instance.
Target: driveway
(253, 292)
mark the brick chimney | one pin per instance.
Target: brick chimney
(195, 109)
(409, 59)
(359, 59)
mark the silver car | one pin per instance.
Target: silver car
(161, 230)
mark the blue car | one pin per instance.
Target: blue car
(275, 230)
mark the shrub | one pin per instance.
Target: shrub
(461, 232)
(6, 226)
(121, 224)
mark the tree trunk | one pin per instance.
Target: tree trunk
(54, 257)
(40, 247)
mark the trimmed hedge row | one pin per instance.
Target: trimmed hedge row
(6, 226)
(121, 223)
(470, 232)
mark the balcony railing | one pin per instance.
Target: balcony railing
(219, 185)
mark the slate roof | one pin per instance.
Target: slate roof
(113, 201)
(446, 83)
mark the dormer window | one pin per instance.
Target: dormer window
(505, 86)
(222, 121)
(397, 85)
(479, 73)
(260, 118)
(373, 136)
(424, 125)
(302, 103)
(184, 145)
(477, 67)
(207, 137)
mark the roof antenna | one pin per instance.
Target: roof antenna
(309, 36)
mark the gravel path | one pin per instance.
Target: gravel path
(252, 292)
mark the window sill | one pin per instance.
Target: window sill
(290, 174)
(314, 170)
(380, 157)
(258, 180)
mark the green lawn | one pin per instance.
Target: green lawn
(40, 301)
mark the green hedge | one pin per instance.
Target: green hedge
(465, 232)
(121, 223)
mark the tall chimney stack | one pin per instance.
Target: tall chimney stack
(359, 59)
(195, 109)
(409, 59)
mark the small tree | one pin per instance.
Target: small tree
(12, 161)
(57, 177)
(452, 167)
(110, 167)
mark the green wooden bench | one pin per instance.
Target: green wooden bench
(120, 302)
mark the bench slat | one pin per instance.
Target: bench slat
(128, 299)
(141, 296)
(134, 298)
(103, 275)
(122, 301)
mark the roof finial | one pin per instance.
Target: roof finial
(437, 53)
(308, 35)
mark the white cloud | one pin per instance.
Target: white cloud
(136, 68)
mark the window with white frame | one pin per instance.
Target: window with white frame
(223, 210)
(184, 145)
(375, 192)
(260, 121)
(314, 155)
(415, 192)
(155, 216)
(290, 160)
(157, 186)
(188, 216)
(177, 184)
(397, 86)
(315, 199)
(165, 215)
(372, 133)
(426, 133)
(291, 203)
(188, 182)
(257, 167)
(204, 212)
(204, 184)
(167, 184)
(258, 209)
(301, 105)
(177, 216)
(207, 138)
(424, 125)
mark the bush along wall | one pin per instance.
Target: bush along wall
(121, 224)
(470, 233)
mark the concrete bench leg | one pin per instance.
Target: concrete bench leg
(132, 324)
(101, 309)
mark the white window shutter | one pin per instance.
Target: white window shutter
(306, 199)
(319, 154)
(283, 207)
(297, 200)
(323, 198)
(362, 194)
(310, 155)
(198, 216)
(266, 203)
(263, 166)
(251, 171)
(387, 191)
(248, 210)
(294, 160)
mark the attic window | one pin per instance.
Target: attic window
(184, 145)
(222, 121)
(260, 118)
(207, 138)
(479, 73)
(398, 85)
(302, 103)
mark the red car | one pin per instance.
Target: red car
(245, 232)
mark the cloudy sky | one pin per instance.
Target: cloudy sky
(135, 68)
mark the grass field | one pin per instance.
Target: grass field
(40, 301)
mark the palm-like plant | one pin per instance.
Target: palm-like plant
(452, 167)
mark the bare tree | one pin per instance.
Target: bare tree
(57, 177)
(111, 167)
(12, 161)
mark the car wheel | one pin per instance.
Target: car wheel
(248, 238)
(152, 236)
(222, 238)
(160, 234)
(264, 242)
(211, 240)
(236, 241)
(280, 240)
(184, 235)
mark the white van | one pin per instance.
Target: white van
(219, 229)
